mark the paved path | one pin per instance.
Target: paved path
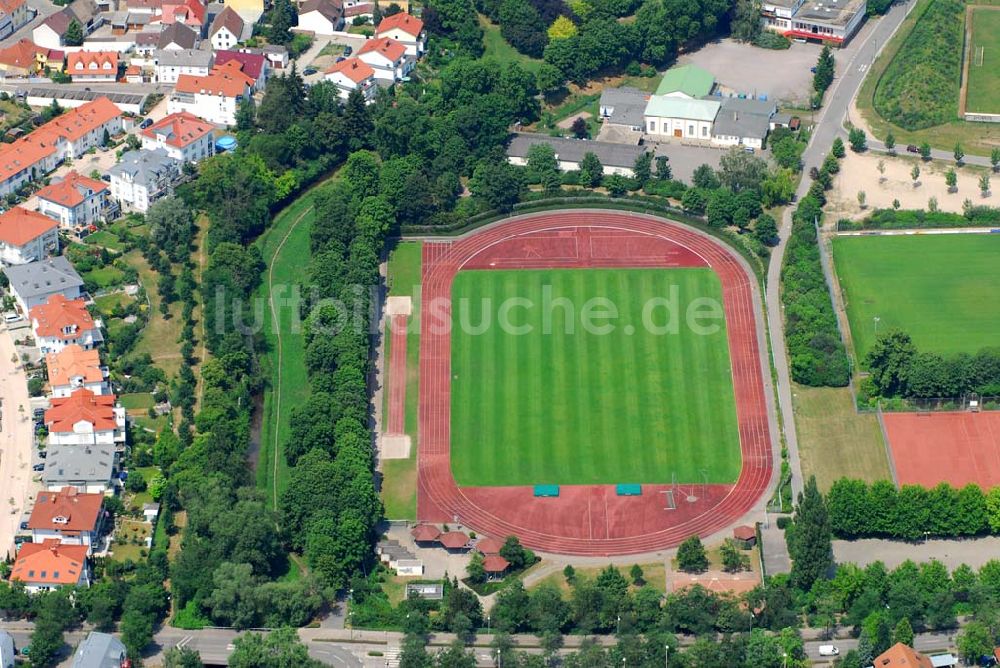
(952, 553)
(15, 444)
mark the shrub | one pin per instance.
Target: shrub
(771, 40)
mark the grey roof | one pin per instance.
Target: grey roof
(66, 93)
(573, 150)
(624, 95)
(99, 650)
(747, 105)
(730, 123)
(781, 119)
(179, 34)
(76, 464)
(183, 57)
(943, 660)
(46, 277)
(145, 167)
(627, 105)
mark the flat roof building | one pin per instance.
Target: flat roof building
(834, 21)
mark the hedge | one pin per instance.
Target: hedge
(891, 219)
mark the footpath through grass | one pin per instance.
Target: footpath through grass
(567, 404)
(285, 249)
(399, 476)
(938, 288)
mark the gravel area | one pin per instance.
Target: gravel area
(952, 553)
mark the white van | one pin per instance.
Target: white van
(828, 650)
(11, 317)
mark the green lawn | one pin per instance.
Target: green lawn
(105, 277)
(938, 288)
(285, 249)
(107, 303)
(141, 401)
(399, 482)
(105, 239)
(588, 407)
(495, 46)
(984, 79)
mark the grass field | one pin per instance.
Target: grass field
(835, 441)
(984, 74)
(586, 408)
(159, 336)
(399, 482)
(495, 46)
(654, 574)
(935, 287)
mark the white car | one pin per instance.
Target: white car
(828, 650)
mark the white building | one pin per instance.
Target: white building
(89, 469)
(833, 21)
(215, 97)
(75, 201)
(62, 322)
(353, 74)
(387, 58)
(142, 177)
(680, 117)
(67, 516)
(405, 29)
(34, 283)
(227, 30)
(615, 158)
(92, 66)
(51, 564)
(171, 64)
(74, 368)
(26, 236)
(86, 419)
(14, 14)
(183, 136)
(743, 122)
(322, 17)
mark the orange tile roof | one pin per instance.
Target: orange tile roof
(83, 62)
(81, 406)
(72, 362)
(411, 25)
(181, 129)
(77, 512)
(11, 6)
(494, 563)
(19, 226)
(387, 46)
(132, 70)
(49, 562)
(73, 190)
(227, 80)
(58, 313)
(354, 69)
(76, 123)
(23, 54)
(901, 656)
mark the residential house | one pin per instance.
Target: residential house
(149, 7)
(92, 66)
(322, 17)
(252, 63)
(76, 201)
(680, 117)
(353, 74)
(100, 650)
(407, 30)
(34, 283)
(354, 10)
(228, 29)
(191, 13)
(134, 75)
(67, 516)
(51, 565)
(51, 33)
(26, 236)
(387, 57)
(686, 81)
(249, 10)
(86, 419)
(146, 43)
(742, 122)
(172, 63)
(13, 15)
(87, 468)
(834, 21)
(60, 322)
(178, 35)
(615, 158)
(73, 368)
(215, 97)
(276, 54)
(901, 656)
(183, 136)
(142, 177)
(21, 59)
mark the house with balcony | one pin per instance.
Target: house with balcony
(350, 75)
(142, 177)
(68, 517)
(183, 136)
(62, 322)
(27, 236)
(34, 283)
(86, 419)
(49, 565)
(407, 30)
(170, 64)
(387, 58)
(74, 368)
(214, 98)
(75, 201)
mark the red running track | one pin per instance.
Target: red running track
(588, 519)
(396, 422)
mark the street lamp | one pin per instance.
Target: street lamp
(619, 624)
(666, 656)
(487, 625)
(784, 659)
(498, 657)
(751, 622)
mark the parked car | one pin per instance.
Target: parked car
(912, 148)
(146, 123)
(829, 650)
(812, 69)
(38, 467)
(309, 71)
(748, 149)
(348, 50)
(106, 177)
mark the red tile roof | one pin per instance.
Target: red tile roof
(84, 62)
(359, 9)
(354, 69)
(744, 533)
(49, 562)
(253, 63)
(228, 81)
(19, 226)
(189, 12)
(386, 46)
(76, 123)
(58, 313)
(73, 190)
(454, 540)
(21, 54)
(494, 563)
(488, 545)
(66, 510)
(180, 129)
(411, 25)
(71, 362)
(81, 406)
(425, 533)
(901, 656)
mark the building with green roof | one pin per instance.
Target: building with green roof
(686, 81)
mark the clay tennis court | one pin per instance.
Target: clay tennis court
(957, 448)
(592, 519)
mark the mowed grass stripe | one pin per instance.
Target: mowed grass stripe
(588, 408)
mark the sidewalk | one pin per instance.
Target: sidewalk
(15, 442)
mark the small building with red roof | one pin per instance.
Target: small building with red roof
(425, 533)
(387, 57)
(182, 135)
(84, 418)
(61, 322)
(21, 59)
(495, 565)
(745, 536)
(26, 236)
(454, 540)
(92, 66)
(67, 516)
(191, 13)
(214, 98)
(487, 545)
(407, 30)
(353, 74)
(74, 368)
(75, 200)
(50, 564)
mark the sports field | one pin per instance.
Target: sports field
(984, 61)
(551, 407)
(938, 288)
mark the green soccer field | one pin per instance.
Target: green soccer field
(984, 65)
(551, 407)
(941, 289)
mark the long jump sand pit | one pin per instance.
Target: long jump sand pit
(956, 447)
